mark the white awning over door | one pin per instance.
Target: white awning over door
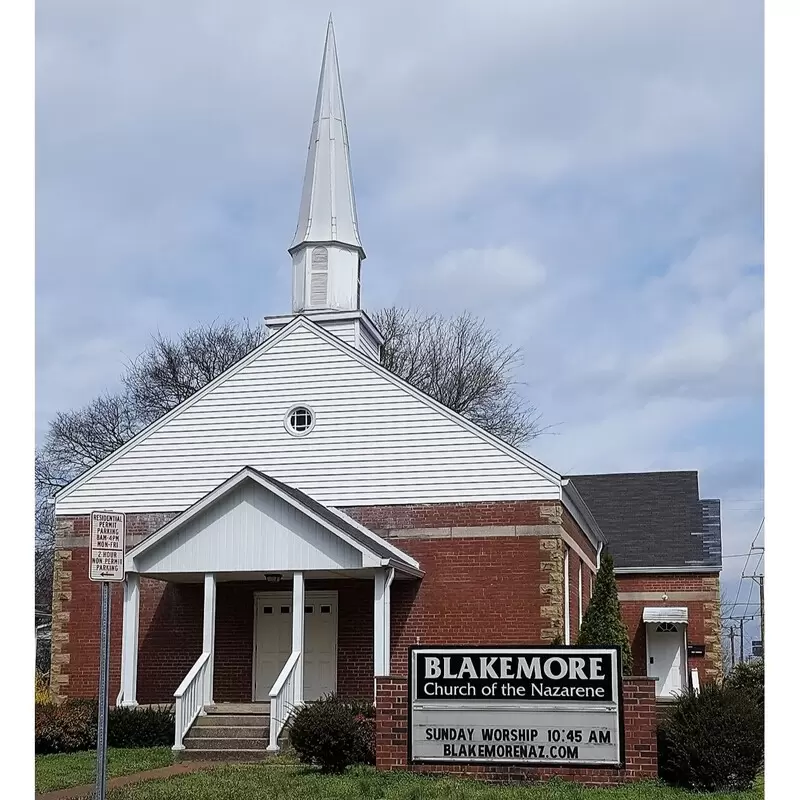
(675, 614)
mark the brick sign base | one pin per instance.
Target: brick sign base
(639, 715)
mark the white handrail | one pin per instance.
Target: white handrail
(189, 699)
(282, 698)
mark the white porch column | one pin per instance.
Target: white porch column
(298, 632)
(382, 620)
(209, 626)
(130, 638)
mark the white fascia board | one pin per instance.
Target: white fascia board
(576, 506)
(665, 570)
(161, 421)
(490, 438)
(329, 316)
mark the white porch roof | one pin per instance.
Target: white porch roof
(675, 614)
(252, 523)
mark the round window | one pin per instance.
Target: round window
(299, 421)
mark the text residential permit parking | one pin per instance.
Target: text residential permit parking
(107, 548)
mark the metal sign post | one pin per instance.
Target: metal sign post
(102, 704)
(106, 564)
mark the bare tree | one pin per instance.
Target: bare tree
(170, 371)
(461, 363)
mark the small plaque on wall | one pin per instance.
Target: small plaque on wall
(696, 650)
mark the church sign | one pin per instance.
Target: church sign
(515, 705)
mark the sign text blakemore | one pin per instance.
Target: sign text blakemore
(519, 705)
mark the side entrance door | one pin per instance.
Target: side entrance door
(273, 642)
(665, 658)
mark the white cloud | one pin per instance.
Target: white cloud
(491, 273)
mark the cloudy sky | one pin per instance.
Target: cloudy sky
(586, 176)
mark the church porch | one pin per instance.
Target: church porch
(275, 600)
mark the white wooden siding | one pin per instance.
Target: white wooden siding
(251, 530)
(368, 345)
(344, 330)
(374, 442)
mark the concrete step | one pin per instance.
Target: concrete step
(226, 744)
(223, 755)
(231, 720)
(238, 708)
(228, 732)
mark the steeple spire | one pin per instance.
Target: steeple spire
(326, 250)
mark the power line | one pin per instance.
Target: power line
(753, 583)
(738, 555)
(747, 562)
(757, 532)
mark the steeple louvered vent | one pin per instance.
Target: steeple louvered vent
(319, 277)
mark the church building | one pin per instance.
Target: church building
(295, 525)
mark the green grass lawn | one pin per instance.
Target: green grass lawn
(61, 770)
(243, 782)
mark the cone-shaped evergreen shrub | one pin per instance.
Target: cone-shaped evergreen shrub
(602, 622)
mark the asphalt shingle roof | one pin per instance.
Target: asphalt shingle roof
(654, 519)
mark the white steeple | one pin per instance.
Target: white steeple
(326, 251)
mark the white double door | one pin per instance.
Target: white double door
(273, 642)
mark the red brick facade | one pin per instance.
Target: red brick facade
(639, 714)
(439, 515)
(474, 591)
(477, 589)
(698, 592)
(574, 599)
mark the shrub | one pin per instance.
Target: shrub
(602, 622)
(712, 739)
(334, 734)
(67, 727)
(72, 726)
(141, 727)
(749, 677)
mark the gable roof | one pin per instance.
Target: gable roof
(337, 523)
(654, 521)
(544, 473)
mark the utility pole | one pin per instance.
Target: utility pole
(732, 634)
(761, 610)
(741, 639)
(759, 579)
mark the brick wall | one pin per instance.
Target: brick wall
(574, 615)
(699, 593)
(499, 588)
(641, 761)
(437, 515)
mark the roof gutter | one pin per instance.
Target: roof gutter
(395, 564)
(667, 570)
